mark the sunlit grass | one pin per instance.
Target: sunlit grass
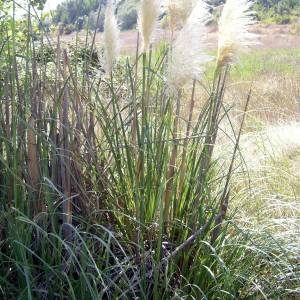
(259, 64)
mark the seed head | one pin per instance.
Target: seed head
(111, 37)
(147, 18)
(234, 34)
(178, 12)
(187, 56)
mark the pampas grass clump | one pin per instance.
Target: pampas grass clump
(111, 38)
(111, 189)
(234, 34)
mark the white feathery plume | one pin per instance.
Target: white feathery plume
(234, 34)
(187, 56)
(147, 18)
(111, 37)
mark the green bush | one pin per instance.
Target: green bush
(68, 29)
(128, 20)
(127, 14)
(281, 12)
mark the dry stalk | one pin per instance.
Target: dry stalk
(55, 165)
(225, 198)
(134, 123)
(185, 143)
(65, 156)
(211, 135)
(33, 165)
(172, 163)
(220, 218)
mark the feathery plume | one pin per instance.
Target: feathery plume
(111, 37)
(234, 34)
(148, 15)
(178, 11)
(187, 57)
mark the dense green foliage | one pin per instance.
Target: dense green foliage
(273, 11)
(265, 3)
(75, 14)
(278, 11)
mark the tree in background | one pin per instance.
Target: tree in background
(127, 14)
(277, 11)
(74, 15)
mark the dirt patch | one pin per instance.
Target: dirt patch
(269, 36)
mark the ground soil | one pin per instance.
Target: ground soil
(269, 36)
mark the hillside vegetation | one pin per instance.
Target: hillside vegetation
(75, 14)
